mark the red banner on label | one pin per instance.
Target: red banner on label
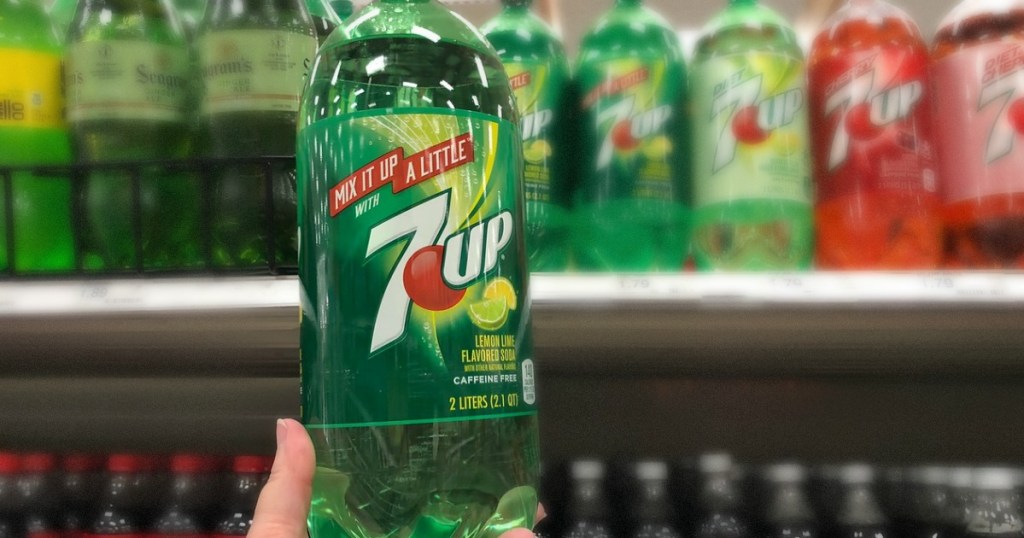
(401, 172)
(521, 80)
(617, 85)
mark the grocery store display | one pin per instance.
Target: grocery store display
(786, 510)
(36, 226)
(631, 187)
(538, 72)
(234, 518)
(127, 77)
(191, 496)
(871, 120)
(752, 185)
(413, 275)
(978, 79)
(253, 61)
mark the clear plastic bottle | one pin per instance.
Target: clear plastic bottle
(81, 484)
(588, 511)
(39, 488)
(995, 510)
(653, 510)
(788, 512)
(752, 180)
(631, 194)
(10, 499)
(979, 104)
(860, 514)
(187, 506)
(410, 166)
(720, 499)
(247, 480)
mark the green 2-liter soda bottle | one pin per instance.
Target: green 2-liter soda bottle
(417, 369)
(535, 62)
(752, 159)
(325, 20)
(32, 132)
(343, 8)
(127, 80)
(632, 193)
(254, 55)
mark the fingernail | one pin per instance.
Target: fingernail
(282, 432)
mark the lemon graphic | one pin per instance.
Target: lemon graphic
(501, 288)
(489, 315)
(786, 143)
(658, 148)
(537, 151)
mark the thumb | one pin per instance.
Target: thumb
(284, 502)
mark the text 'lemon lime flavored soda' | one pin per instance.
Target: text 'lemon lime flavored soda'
(538, 71)
(630, 202)
(417, 368)
(752, 185)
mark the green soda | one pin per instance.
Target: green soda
(538, 71)
(343, 8)
(418, 383)
(32, 132)
(128, 80)
(325, 20)
(752, 199)
(631, 199)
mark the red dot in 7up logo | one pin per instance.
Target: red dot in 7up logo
(434, 271)
(628, 127)
(743, 118)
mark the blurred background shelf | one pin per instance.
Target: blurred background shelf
(877, 325)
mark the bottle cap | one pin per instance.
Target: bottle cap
(193, 464)
(785, 473)
(587, 470)
(249, 464)
(715, 462)
(856, 473)
(81, 463)
(650, 470)
(10, 463)
(976, 8)
(38, 462)
(126, 463)
(993, 479)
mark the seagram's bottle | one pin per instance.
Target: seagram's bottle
(253, 55)
(127, 83)
(417, 370)
(534, 59)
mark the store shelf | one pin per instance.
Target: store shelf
(941, 324)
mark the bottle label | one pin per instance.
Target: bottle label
(979, 95)
(633, 104)
(30, 93)
(750, 140)
(254, 70)
(415, 302)
(536, 87)
(872, 123)
(126, 80)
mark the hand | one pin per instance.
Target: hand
(284, 502)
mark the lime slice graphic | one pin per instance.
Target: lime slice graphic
(537, 151)
(658, 148)
(501, 288)
(489, 315)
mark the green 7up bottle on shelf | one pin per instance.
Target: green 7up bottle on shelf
(538, 71)
(752, 186)
(631, 196)
(418, 383)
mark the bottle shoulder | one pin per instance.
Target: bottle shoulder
(525, 39)
(430, 21)
(290, 16)
(630, 31)
(26, 26)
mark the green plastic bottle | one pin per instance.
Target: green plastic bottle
(325, 20)
(33, 132)
(752, 185)
(418, 383)
(343, 8)
(535, 62)
(633, 185)
(128, 79)
(254, 56)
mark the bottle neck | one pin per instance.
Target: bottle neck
(622, 3)
(517, 5)
(742, 3)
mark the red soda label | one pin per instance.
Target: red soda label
(871, 119)
(979, 94)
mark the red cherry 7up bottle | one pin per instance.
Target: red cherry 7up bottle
(978, 76)
(877, 193)
(752, 167)
(631, 197)
(538, 71)
(418, 383)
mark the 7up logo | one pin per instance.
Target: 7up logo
(1003, 81)
(743, 117)
(433, 271)
(437, 264)
(626, 127)
(865, 107)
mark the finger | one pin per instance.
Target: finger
(541, 513)
(284, 502)
(518, 533)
